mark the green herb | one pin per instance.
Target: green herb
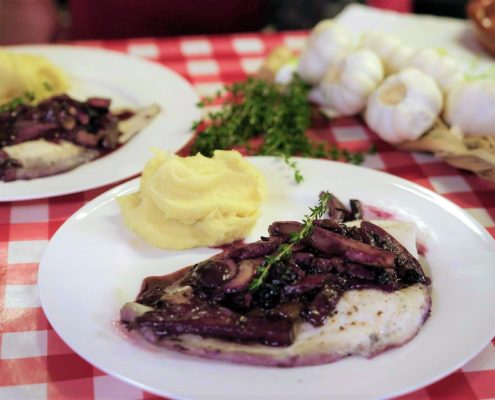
(28, 97)
(285, 250)
(12, 105)
(372, 149)
(47, 86)
(255, 108)
(293, 166)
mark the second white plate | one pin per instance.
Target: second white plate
(93, 265)
(130, 82)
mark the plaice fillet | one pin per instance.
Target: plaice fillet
(40, 157)
(365, 323)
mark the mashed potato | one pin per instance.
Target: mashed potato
(186, 202)
(27, 73)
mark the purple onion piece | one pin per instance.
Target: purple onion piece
(358, 271)
(324, 264)
(322, 305)
(99, 102)
(254, 250)
(306, 284)
(329, 225)
(409, 269)
(333, 244)
(30, 130)
(216, 322)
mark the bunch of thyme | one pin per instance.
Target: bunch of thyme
(254, 108)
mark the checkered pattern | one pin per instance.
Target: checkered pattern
(35, 363)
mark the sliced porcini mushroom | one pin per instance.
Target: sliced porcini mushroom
(213, 274)
(246, 271)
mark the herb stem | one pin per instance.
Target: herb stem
(285, 250)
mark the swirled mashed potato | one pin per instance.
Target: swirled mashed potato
(186, 202)
(28, 73)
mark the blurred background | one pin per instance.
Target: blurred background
(44, 21)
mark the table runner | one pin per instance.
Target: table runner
(35, 363)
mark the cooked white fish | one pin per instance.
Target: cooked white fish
(40, 157)
(365, 323)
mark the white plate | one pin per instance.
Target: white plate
(93, 265)
(129, 82)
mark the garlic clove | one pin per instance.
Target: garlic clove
(470, 107)
(441, 67)
(327, 42)
(349, 81)
(393, 53)
(404, 106)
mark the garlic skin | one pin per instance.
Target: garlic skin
(470, 107)
(404, 106)
(393, 53)
(349, 81)
(327, 42)
(441, 67)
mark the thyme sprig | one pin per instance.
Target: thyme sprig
(256, 108)
(285, 250)
(252, 108)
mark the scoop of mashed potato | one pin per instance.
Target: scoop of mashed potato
(186, 202)
(29, 73)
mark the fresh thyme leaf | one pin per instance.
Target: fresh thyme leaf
(372, 149)
(11, 105)
(17, 101)
(30, 96)
(47, 86)
(285, 250)
(293, 166)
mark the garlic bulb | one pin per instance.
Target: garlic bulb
(349, 81)
(393, 53)
(470, 107)
(404, 106)
(326, 43)
(444, 69)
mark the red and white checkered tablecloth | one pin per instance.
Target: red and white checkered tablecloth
(35, 363)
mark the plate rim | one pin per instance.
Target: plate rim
(111, 194)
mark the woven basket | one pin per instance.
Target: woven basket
(472, 153)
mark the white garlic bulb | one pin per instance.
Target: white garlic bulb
(444, 69)
(404, 106)
(393, 53)
(327, 42)
(470, 107)
(349, 81)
